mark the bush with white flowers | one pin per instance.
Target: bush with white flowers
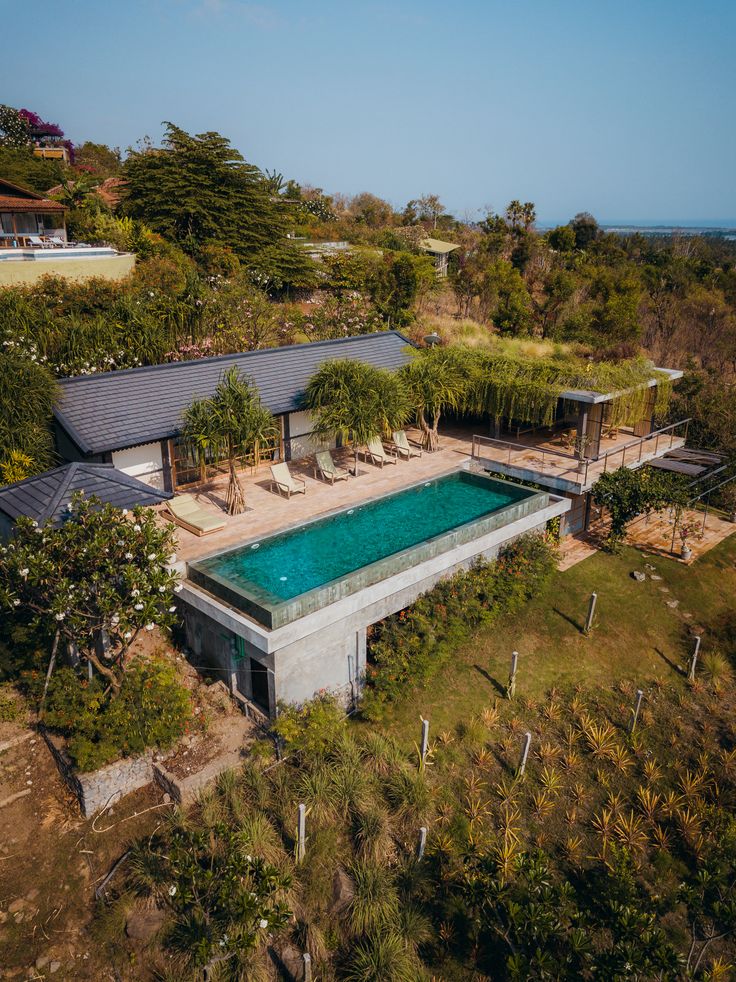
(221, 901)
(94, 582)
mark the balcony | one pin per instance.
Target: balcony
(533, 459)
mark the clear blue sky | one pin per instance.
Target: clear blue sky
(624, 108)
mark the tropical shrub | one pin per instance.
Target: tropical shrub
(408, 648)
(221, 901)
(628, 493)
(312, 728)
(151, 709)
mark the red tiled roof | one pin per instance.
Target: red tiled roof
(12, 203)
(108, 191)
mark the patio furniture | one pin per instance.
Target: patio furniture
(188, 513)
(36, 241)
(403, 447)
(285, 483)
(327, 469)
(377, 453)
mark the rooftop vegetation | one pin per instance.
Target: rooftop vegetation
(518, 380)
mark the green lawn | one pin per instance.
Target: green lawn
(636, 636)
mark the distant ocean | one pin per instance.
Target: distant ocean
(721, 230)
(714, 231)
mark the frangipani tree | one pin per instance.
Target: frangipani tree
(354, 402)
(437, 380)
(233, 420)
(94, 582)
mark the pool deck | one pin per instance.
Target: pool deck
(269, 512)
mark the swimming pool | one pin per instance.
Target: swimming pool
(291, 573)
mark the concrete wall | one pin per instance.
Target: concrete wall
(144, 462)
(85, 268)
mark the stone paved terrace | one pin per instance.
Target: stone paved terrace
(269, 512)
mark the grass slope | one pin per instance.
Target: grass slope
(636, 636)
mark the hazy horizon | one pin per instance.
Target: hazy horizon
(612, 108)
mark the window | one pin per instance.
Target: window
(188, 470)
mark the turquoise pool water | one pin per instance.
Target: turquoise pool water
(288, 564)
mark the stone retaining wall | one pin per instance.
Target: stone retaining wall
(97, 789)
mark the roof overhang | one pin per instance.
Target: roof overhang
(594, 398)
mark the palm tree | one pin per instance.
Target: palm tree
(233, 420)
(437, 380)
(353, 402)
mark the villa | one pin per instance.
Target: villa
(34, 243)
(279, 599)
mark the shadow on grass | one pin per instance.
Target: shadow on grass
(489, 678)
(570, 620)
(677, 669)
(503, 762)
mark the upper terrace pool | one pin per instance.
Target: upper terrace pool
(295, 572)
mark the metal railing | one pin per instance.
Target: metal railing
(536, 459)
(542, 460)
(664, 437)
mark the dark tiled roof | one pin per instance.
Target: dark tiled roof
(47, 495)
(114, 410)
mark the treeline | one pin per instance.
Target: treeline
(222, 267)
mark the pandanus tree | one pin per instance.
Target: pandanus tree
(232, 422)
(353, 402)
(436, 379)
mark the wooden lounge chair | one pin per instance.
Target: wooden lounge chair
(403, 447)
(327, 469)
(191, 516)
(377, 453)
(285, 483)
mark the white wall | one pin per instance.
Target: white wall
(302, 443)
(144, 462)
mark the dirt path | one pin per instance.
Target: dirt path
(50, 861)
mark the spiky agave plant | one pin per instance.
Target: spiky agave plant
(542, 803)
(548, 751)
(630, 831)
(490, 716)
(551, 780)
(600, 737)
(649, 803)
